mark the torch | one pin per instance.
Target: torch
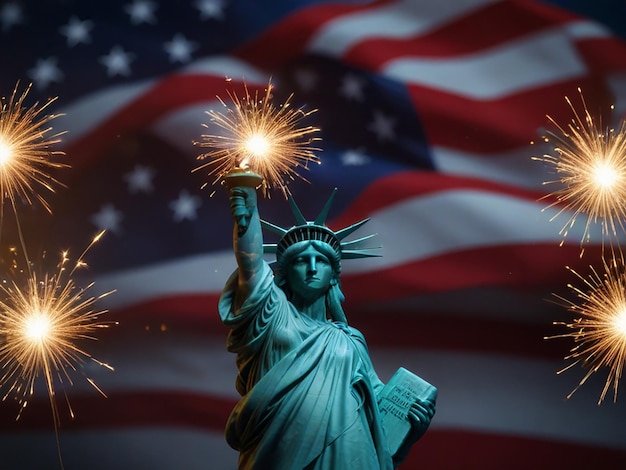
(260, 144)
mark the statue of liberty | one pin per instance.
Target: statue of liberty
(310, 397)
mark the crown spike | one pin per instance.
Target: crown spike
(321, 218)
(297, 214)
(357, 254)
(274, 228)
(355, 243)
(343, 233)
(318, 231)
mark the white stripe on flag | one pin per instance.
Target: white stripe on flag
(402, 19)
(532, 62)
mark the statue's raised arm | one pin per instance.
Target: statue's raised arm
(247, 237)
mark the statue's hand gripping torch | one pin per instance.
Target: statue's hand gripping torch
(242, 185)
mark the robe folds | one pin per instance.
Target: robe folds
(308, 387)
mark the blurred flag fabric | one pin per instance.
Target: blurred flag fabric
(430, 112)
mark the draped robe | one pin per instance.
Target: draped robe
(308, 387)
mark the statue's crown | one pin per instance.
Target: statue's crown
(317, 230)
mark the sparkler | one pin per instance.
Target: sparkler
(42, 317)
(591, 166)
(599, 330)
(25, 151)
(41, 320)
(260, 138)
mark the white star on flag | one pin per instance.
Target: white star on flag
(186, 206)
(117, 62)
(46, 72)
(213, 9)
(10, 15)
(354, 158)
(382, 125)
(179, 49)
(141, 11)
(77, 31)
(108, 218)
(140, 179)
(352, 87)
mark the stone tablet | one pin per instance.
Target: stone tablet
(394, 401)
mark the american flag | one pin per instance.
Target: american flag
(428, 111)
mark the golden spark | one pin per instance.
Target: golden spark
(260, 137)
(26, 157)
(42, 319)
(599, 331)
(590, 163)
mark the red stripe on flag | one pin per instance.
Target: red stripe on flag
(519, 266)
(397, 187)
(270, 50)
(467, 450)
(600, 55)
(470, 449)
(491, 26)
(167, 95)
(121, 409)
(424, 327)
(499, 125)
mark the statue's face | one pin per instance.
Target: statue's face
(310, 273)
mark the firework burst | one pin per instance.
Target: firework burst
(41, 320)
(260, 137)
(26, 158)
(590, 163)
(599, 329)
